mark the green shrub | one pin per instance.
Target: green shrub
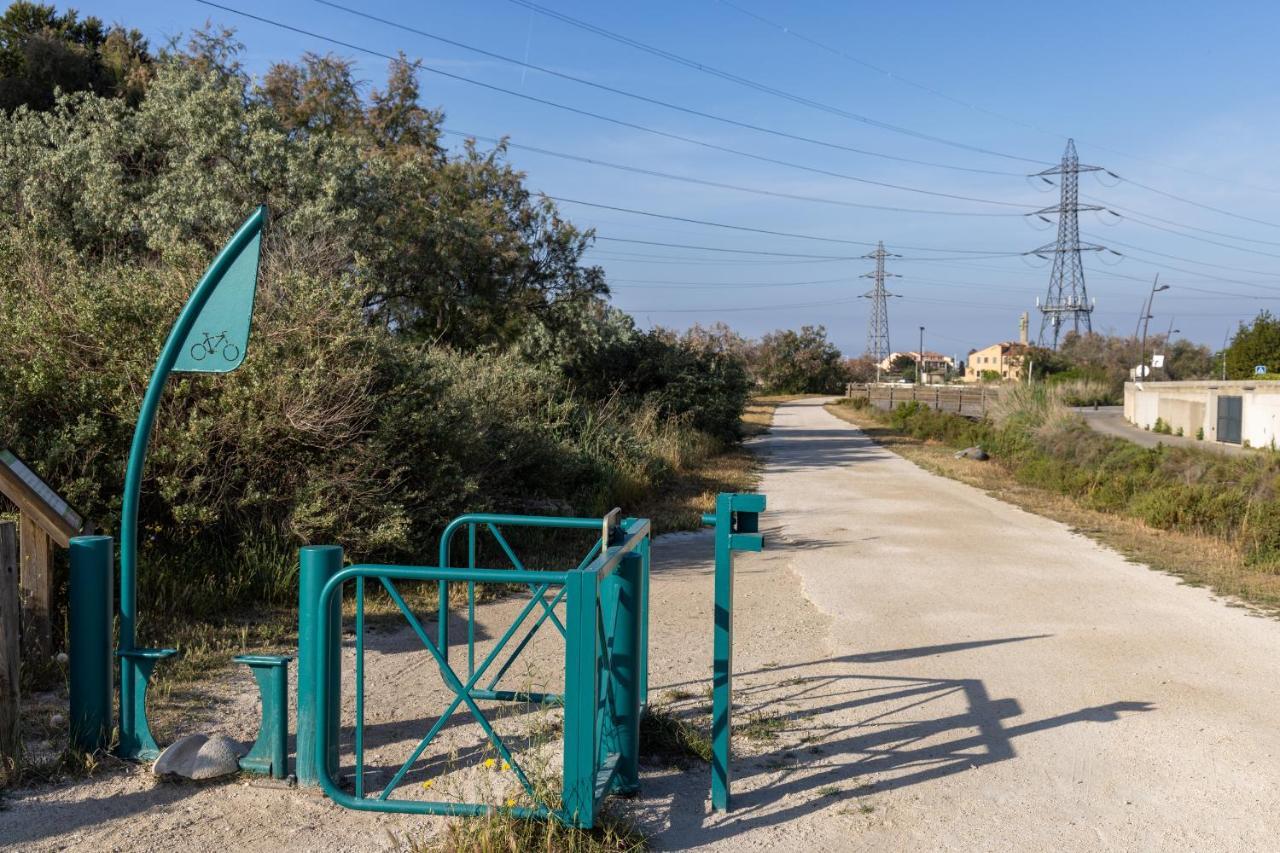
(426, 339)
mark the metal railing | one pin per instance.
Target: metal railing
(605, 622)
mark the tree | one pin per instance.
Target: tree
(904, 365)
(1253, 344)
(42, 51)
(791, 362)
(860, 369)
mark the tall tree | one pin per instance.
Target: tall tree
(42, 51)
(1256, 343)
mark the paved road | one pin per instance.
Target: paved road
(1110, 420)
(1005, 684)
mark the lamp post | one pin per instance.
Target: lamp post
(920, 359)
(1156, 287)
(1168, 339)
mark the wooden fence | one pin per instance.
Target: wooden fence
(971, 402)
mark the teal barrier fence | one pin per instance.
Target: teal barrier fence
(605, 601)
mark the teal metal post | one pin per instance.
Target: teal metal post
(628, 659)
(90, 642)
(133, 715)
(736, 521)
(580, 698)
(270, 751)
(318, 668)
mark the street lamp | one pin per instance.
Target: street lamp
(1145, 319)
(920, 359)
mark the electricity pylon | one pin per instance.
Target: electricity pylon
(1067, 300)
(878, 324)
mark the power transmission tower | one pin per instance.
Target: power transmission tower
(878, 325)
(1067, 301)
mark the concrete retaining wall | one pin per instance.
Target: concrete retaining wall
(1193, 406)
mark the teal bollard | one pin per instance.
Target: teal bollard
(269, 754)
(318, 669)
(90, 611)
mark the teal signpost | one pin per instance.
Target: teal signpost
(211, 335)
(737, 525)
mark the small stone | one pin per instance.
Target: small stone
(200, 757)
(57, 720)
(972, 453)
(61, 657)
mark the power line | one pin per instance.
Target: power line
(760, 251)
(789, 31)
(693, 221)
(750, 84)
(717, 184)
(600, 86)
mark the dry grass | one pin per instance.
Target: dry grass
(1197, 560)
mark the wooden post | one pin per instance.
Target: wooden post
(10, 737)
(36, 578)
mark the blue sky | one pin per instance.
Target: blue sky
(1179, 97)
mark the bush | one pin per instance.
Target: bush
(425, 339)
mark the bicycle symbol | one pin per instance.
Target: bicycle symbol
(210, 346)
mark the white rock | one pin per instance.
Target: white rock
(200, 757)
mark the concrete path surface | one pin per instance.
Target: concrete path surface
(1009, 684)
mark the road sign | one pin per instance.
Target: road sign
(1157, 360)
(220, 335)
(1259, 369)
(1141, 370)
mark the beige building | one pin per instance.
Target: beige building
(1005, 359)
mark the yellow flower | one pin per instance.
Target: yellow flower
(506, 766)
(427, 784)
(510, 803)
(489, 762)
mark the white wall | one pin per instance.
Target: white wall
(1194, 405)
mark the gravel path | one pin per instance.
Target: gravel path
(947, 672)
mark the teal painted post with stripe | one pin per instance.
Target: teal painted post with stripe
(580, 698)
(92, 681)
(736, 521)
(628, 661)
(316, 665)
(722, 659)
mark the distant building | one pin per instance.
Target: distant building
(1004, 359)
(934, 362)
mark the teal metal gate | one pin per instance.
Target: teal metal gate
(605, 629)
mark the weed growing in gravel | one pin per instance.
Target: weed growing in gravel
(666, 738)
(762, 726)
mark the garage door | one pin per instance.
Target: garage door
(1230, 410)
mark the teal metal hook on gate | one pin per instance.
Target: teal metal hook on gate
(737, 528)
